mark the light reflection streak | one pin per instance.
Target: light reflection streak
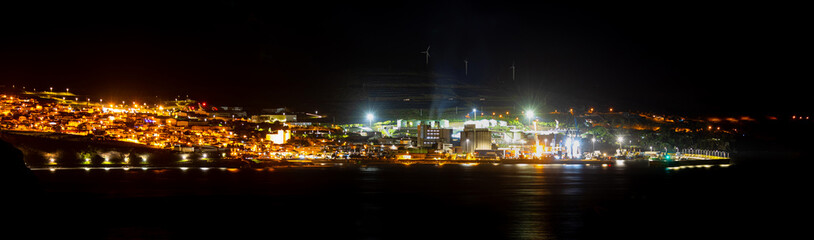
(529, 189)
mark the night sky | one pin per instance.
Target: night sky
(675, 57)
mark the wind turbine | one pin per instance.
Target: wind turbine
(427, 54)
(513, 70)
(466, 67)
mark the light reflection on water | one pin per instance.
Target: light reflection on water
(529, 201)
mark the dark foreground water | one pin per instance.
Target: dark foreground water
(405, 202)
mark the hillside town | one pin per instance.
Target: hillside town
(195, 131)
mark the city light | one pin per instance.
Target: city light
(174, 128)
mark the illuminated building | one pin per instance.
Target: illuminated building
(281, 137)
(270, 118)
(429, 137)
(473, 139)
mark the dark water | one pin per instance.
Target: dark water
(404, 202)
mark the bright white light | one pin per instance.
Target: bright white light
(620, 139)
(474, 109)
(369, 116)
(529, 114)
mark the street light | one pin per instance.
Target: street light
(593, 144)
(370, 120)
(620, 139)
(475, 113)
(529, 115)
(546, 142)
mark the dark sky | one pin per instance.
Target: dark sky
(681, 57)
